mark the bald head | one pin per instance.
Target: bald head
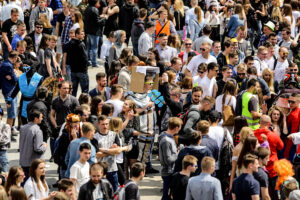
(265, 121)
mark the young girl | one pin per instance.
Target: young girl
(46, 24)
(77, 19)
(17, 65)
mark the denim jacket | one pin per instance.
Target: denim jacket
(195, 28)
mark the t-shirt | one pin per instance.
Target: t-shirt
(97, 193)
(178, 186)
(252, 105)
(197, 60)
(81, 173)
(131, 191)
(118, 105)
(280, 70)
(61, 19)
(221, 85)
(10, 28)
(207, 86)
(196, 80)
(245, 186)
(262, 177)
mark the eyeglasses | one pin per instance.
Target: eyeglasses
(291, 102)
(200, 72)
(39, 27)
(188, 44)
(285, 53)
(149, 83)
(241, 74)
(202, 49)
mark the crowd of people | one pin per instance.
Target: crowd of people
(219, 101)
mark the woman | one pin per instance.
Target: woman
(212, 19)
(239, 123)
(260, 13)
(244, 133)
(249, 146)
(276, 15)
(118, 46)
(77, 21)
(114, 71)
(236, 20)
(71, 132)
(41, 50)
(84, 98)
(15, 177)
(196, 24)
(278, 122)
(96, 106)
(153, 54)
(36, 187)
(179, 16)
(224, 17)
(17, 65)
(287, 14)
(268, 76)
(46, 24)
(175, 42)
(17, 193)
(3, 194)
(112, 12)
(107, 109)
(186, 87)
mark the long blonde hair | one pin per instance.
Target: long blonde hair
(269, 83)
(239, 10)
(78, 19)
(43, 18)
(288, 11)
(178, 5)
(115, 124)
(198, 13)
(276, 14)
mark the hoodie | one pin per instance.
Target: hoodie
(137, 30)
(77, 51)
(167, 153)
(275, 143)
(127, 14)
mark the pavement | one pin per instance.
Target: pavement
(150, 186)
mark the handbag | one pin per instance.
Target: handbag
(228, 113)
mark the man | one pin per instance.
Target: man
(19, 35)
(176, 66)
(249, 61)
(97, 187)
(8, 81)
(190, 13)
(208, 82)
(168, 153)
(286, 41)
(109, 144)
(216, 49)
(259, 60)
(194, 149)
(273, 39)
(207, 141)
(241, 38)
(137, 29)
(179, 180)
(35, 13)
(281, 64)
(66, 186)
(128, 12)
(68, 23)
(292, 70)
(233, 62)
(9, 27)
(234, 46)
(166, 52)
(5, 140)
(206, 31)
(6, 11)
(57, 8)
(196, 97)
(31, 141)
(88, 132)
(163, 26)
(78, 62)
(124, 78)
(93, 26)
(37, 35)
(269, 28)
(223, 56)
(204, 57)
(145, 40)
(202, 70)
(245, 186)
(227, 73)
(106, 47)
(101, 88)
(204, 186)
(116, 96)
(275, 145)
(263, 155)
(131, 188)
(241, 74)
(183, 55)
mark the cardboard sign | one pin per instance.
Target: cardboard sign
(138, 78)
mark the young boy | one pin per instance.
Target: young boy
(52, 67)
(67, 186)
(131, 187)
(21, 33)
(79, 172)
(66, 66)
(5, 134)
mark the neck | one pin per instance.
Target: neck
(66, 13)
(214, 123)
(209, 75)
(260, 163)
(82, 161)
(63, 96)
(247, 171)
(163, 46)
(171, 132)
(37, 33)
(185, 172)
(205, 56)
(103, 132)
(100, 88)
(239, 38)
(224, 79)
(250, 90)
(280, 59)
(135, 179)
(207, 172)
(115, 97)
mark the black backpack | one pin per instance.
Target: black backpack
(226, 155)
(239, 103)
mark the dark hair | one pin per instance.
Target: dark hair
(136, 169)
(195, 137)
(64, 184)
(247, 58)
(84, 98)
(104, 165)
(116, 88)
(132, 60)
(38, 23)
(13, 54)
(12, 177)
(248, 147)
(102, 118)
(233, 54)
(271, 35)
(111, 34)
(14, 10)
(92, 2)
(239, 123)
(212, 66)
(43, 43)
(162, 35)
(149, 24)
(287, 30)
(156, 53)
(94, 104)
(32, 173)
(174, 60)
(187, 82)
(17, 193)
(226, 44)
(84, 146)
(262, 152)
(249, 158)
(214, 116)
(251, 82)
(41, 92)
(197, 89)
(100, 75)
(142, 12)
(107, 109)
(33, 114)
(115, 67)
(252, 70)
(206, 30)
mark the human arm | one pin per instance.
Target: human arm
(166, 152)
(52, 118)
(6, 41)
(187, 72)
(5, 134)
(218, 191)
(48, 65)
(188, 195)
(64, 70)
(38, 145)
(172, 28)
(295, 41)
(265, 193)
(192, 118)
(111, 11)
(255, 197)
(295, 137)
(233, 196)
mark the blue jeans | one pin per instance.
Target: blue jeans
(5, 51)
(92, 48)
(135, 49)
(68, 71)
(166, 186)
(112, 177)
(13, 110)
(82, 79)
(3, 160)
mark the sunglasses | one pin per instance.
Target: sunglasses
(188, 44)
(291, 102)
(149, 83)
(202, 49)
(241, 74)
(200, 72)
(39, 27)
(293, 70)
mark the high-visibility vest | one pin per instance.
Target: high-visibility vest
(165, 30)
(252, 123)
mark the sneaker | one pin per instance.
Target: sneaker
(14, 131)
(12, 139)
(151, 171)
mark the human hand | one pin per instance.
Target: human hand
(264, 108)
(150, 104)
(291, 137)
(8, 77)
(130, 115)
(9, 48)
(264, 137)
(164, 78)
(74, 133)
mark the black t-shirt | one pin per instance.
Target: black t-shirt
(252, 105)
(61, 19)
(262, 177)
(220, 84)
(65, 50)
(10, 28)
(178, 186)
(131, 191)
(245, 186)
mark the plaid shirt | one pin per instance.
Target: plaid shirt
(65, 31)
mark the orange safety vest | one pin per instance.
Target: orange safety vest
(165, 30)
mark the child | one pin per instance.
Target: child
(67, 186)
(21, 33)
(79, 172)
(52, 66)
(5, 135)
(66, 67)
(131, 187)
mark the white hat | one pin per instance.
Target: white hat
(213, 3)
(270, 25)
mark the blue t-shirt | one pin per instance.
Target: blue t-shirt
(245, 186)
(15, 40)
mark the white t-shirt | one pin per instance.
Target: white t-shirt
(207, 86)
(260, 65)
(97, 193)
(270, 62)
(219, 106)
(118, 105)
(32, 190)
(196, 80)
(80, 172)
(75, 26)
(280, 70)
(196, 61)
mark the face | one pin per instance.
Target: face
(21, 176)
(163, 41)
(163, 15)
(174, 96)
(72, 12)
(151, 55)
(70, 192)
(267, 31)
(103, 125)
(75, 125)
(265, 161)
(267, 77)
(42, 4)
(96, 176)
(72, 35)
(126, 106)
(242, 34)
(214, 72)
(193, 167)
(283, 53)
(52, 44)
(188, 45)
(40, 171)
(39, 29)
(293, 102)
(148, 85)
(14, 17)
(263, 55)
(201, 73)
(21, 50)
(205, 50)
(216, 48)
(178, 65)
(40, 119)
(100, 105)
(234, 46)
(250, 63)
(196, 97)
(123, 38)
(241, 74)
(227, 73)
(65, 8)
(271, 51)
(86, 115)
(21, 30)
(97, 5)
(64, 90)
(293, 69)
(85, 154)
(285, 35)
(273, 40)
(207, 106)
(257, 87)
(235, 60)
(275, 116)
(102, 82)
(254, 166)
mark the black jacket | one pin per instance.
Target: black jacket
(77, 52)
(31, 35)
(221, 59)
(127, 14)
(137, 30)
(86, 190)
(93, 23)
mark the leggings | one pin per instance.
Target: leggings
(121, 175)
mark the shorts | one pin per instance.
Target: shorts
(59, 49)
(13, 110)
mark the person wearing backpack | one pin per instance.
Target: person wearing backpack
(131, 187)
(196, 23)
(5, 134)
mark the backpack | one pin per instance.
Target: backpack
(183, 116)
(228, 113)
(120, 193)
(226, 155)
(239, 103)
